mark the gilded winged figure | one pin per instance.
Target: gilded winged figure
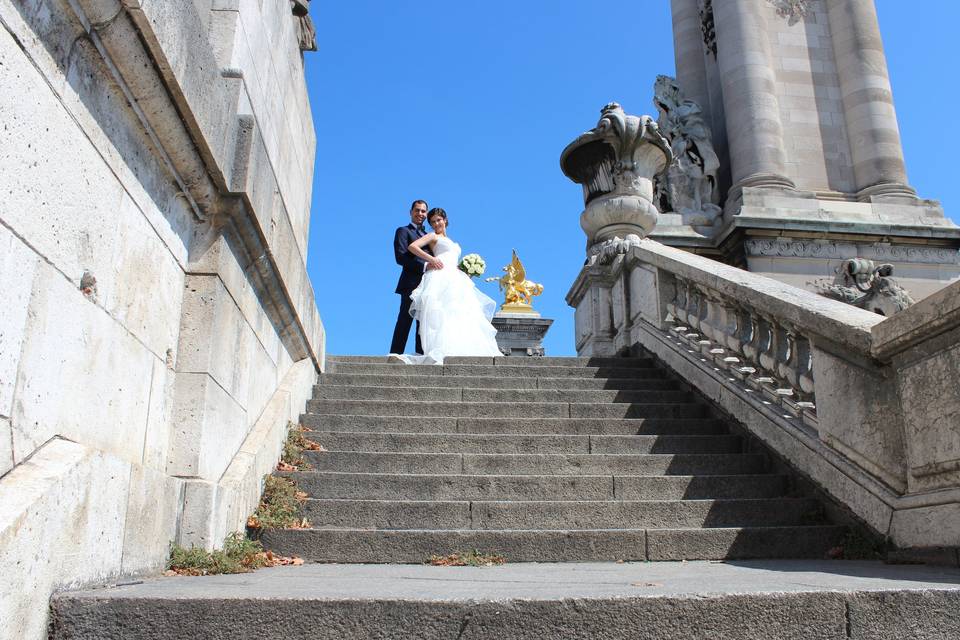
(518, 291)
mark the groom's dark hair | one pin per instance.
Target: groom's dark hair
(416, 202)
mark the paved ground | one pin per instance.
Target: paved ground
(754, 600)
(542, 581)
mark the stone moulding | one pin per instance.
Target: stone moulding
(842, 250)
(813, 378)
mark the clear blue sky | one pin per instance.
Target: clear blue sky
(468, 106)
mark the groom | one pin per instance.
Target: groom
(413, 268)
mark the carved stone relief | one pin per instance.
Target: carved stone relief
(834, 250)
(859, 282)
(689, 186)
(707, 27)
(793, 10)
(306, 33)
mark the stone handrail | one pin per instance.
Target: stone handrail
(757, 329)
(866, 407)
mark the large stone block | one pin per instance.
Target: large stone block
(61, 525)
(66, 209)
(47, 34)
(6, 446)
(860, 416)
(150, 524)
(82, 375)
(931, 526)
(146, 282)
(208, 427)
(929, 391)
(210, 332)
(18, 266)
(196, 521)
(156, 441)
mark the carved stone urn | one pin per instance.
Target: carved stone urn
(616, 162)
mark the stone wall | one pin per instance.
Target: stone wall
(158, 329)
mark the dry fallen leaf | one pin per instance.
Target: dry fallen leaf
(283, 466)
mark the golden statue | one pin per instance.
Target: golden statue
(518, 291)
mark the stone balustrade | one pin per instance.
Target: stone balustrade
(867, 407)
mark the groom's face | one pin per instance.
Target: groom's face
(418, 214)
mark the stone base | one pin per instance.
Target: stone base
(521, 334)
(798, 237)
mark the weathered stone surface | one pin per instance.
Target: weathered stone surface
(150, 525)
(106, 408)
(667, 601)
(6, 446)
(18, 266)
(61, 525)
(850, 395)
(209, 427)
(928, 526)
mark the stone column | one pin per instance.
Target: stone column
(871, 121)
(754, 130)
(688, 51)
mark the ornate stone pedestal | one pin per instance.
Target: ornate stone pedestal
(521, 334)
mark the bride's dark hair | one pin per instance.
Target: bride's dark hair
(436, 211)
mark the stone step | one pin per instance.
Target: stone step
(494, 382)
(567, 514)
(502, 371)
(525, 426)
(526, 545)
(386, 486)
(537, 464)
(504, 410)
(461, 394)
(500, 443)
(549, 361)
(759, 600)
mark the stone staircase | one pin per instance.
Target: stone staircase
(546, 460)
(558, 460)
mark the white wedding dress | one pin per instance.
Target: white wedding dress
(454, 315)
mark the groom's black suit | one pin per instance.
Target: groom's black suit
(409, 280)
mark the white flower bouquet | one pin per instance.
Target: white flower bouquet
(472, 265)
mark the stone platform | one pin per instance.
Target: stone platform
(781, 599)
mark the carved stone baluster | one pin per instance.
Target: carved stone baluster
(743, 342)
(727, 337)
(805, 377)
(806, 404)
(700, 322)
(673, 298)
(710, 324)
(682, 300)
(766, 355)
(784, 368)
(694, 312)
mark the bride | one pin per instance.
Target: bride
(454, 315)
